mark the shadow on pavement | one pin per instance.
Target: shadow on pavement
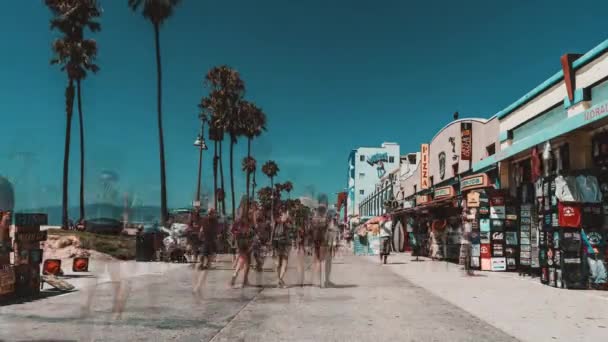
(77, 276)
(43, 295)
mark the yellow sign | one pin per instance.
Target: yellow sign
(424, 167)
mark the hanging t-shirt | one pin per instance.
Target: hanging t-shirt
(484, 225)
(589, 188)
(569, 215)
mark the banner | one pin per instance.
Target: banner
(424, 167)
(466, 141)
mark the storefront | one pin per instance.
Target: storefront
(553, 161)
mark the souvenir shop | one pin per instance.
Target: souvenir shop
(564, 200)
(490, 219)
(440, 217)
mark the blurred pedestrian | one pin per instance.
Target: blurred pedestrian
(282, 245)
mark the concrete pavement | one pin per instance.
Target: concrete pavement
(522, 307)
(402, 301)
(369, 302)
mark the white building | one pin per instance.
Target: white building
(367, 166)
(388, 188)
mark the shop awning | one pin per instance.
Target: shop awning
(438, 203)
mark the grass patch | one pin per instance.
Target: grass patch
(118, 246)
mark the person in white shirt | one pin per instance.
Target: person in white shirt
(385, 239)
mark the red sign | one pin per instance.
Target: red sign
(466, 141)
(424, 167)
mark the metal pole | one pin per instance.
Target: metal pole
(200, 163)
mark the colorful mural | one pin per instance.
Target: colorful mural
(378, 160)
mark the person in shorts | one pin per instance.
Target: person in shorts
(282, 245)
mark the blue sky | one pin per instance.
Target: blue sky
(331, 75)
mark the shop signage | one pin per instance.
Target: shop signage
(474, 182)
(25, 237)
(422, 199)
(408, 204)
(7, 279)
(596, 111)
(473, 199)
(466, 141)
(446, 191)
(424, 166)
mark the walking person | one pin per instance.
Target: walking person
(207, 236)
(320, 247)
(241, 230)
(385, 240)
(301, 251)
(282, 245)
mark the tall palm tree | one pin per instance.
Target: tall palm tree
(288, 187)
(76, 56)
(254, 123)
(158, 11)
(249, 166)
(271, 169)
(227, 90)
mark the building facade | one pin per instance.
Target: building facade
(388, 194)
(366, 167)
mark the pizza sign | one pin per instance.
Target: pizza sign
(424, 166)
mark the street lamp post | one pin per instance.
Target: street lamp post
(200, 143)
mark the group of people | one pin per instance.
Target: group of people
(254, 236)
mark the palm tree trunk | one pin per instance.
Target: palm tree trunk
(82, 213)
(161, 142)
(215, 175)
(272, 202)
(69, 96)
(232, 140)
(253, 185)
(222, 179)
(248, 173)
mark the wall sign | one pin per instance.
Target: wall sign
(466, 141)
(474, 182)
(446, 191)
(424, 166)
(422, 199)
